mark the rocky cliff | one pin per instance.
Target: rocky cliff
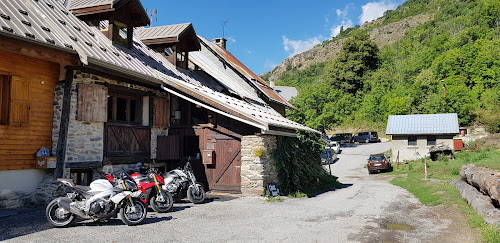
(383, 35)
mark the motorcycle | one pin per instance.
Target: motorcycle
(100, 201)
(149, 182)
(183, 182)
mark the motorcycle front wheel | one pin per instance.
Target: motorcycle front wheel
(58, 216)
(159, 205)
(196, 196)
(132, 214)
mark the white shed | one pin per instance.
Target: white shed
(413, 135)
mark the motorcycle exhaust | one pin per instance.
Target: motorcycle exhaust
(65, 203)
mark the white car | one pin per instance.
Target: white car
(335, 146)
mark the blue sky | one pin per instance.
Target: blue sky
(261, 34)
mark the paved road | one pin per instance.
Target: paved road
(359, 212)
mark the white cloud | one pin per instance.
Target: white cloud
(231, 39)
(248, 51)
(339, 13)
(294, 47)
(373, 10)
(268, 64)
(336, 30)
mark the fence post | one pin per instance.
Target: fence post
(397, 161)
(425, 166)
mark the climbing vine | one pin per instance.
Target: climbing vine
(298, 163)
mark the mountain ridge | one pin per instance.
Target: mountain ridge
(381, 35)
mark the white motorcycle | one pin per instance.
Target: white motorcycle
(182, 183)
(100, 200)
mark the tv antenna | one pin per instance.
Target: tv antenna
(223, 26)
(153, 13)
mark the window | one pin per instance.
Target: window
(431, 140)
(4, 98)
(120, 33)
(412, 141)
(124, 109)
(14, 101)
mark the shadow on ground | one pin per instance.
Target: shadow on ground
(342, 186)
(23, 221)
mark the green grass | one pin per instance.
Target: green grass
(436, 190)
(297, 195)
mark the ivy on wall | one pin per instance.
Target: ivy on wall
(298, 163)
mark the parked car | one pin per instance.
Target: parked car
(332, 144)
(366, 137)
(378, 162)
(342, 138)
(335, 146)
(328, 156)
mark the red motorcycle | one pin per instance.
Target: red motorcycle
(149, 182)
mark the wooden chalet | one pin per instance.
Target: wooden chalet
(117, 101)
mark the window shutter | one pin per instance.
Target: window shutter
(19, 111)
(92, 103)
(161, 115)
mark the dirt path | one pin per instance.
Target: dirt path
(426, 224)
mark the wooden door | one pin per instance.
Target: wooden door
(127, 141)
(226, 174)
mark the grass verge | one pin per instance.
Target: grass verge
(436, 190)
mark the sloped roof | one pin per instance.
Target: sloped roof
(50, 20)
(233, 84)
(169, 34)
(423, 124)
(166, 31)
(76, 4)
(287, 92)
(257, 81)
(84, 7)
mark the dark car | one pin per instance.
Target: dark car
(366, 137)
(378, 162)
(342, 138)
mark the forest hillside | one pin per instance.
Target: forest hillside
(427, 56)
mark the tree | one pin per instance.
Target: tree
(358, 55)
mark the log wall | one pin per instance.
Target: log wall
(19, 143)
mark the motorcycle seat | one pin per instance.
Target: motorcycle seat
(67, 182)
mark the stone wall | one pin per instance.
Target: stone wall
(257, 169)
(155, 132)
(85, 139)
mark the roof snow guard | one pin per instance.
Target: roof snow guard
(50, 20)
(424, 124)
(258, 82)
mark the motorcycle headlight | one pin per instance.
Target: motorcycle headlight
(131, 186)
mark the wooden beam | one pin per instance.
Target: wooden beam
(39, 51)
(63, 127)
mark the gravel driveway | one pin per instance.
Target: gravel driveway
(360, 212)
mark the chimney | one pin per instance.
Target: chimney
(271, 83)
(221, 42)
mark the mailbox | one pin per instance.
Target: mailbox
(208, 157)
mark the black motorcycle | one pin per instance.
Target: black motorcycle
(182, 182)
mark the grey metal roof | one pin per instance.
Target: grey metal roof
(287, 92)
(175, 30)
(77, 4)
(422, 124)
(49, 19)
(209, 63)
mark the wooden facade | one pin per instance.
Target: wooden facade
(27, 108)
(221, 135)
